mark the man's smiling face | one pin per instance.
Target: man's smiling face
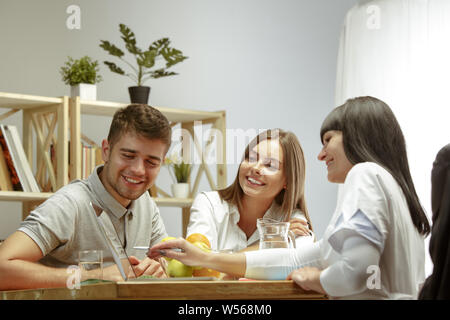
(132, 164)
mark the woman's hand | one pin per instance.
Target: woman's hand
(189, 254)
(299, 227)
(308, 278)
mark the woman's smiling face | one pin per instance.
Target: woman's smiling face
(262, 174)
(334, 156)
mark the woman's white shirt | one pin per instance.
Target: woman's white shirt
(372, 190)
(218, 221)
(372, 219)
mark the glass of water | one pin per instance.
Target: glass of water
(91, 263)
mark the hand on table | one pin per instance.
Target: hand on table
(308, 278)
(147, 267)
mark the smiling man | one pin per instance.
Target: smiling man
(38, 254)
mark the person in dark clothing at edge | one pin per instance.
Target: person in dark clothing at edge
(437, 285)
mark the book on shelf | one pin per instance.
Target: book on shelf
(91, 156)
(5, 177)
(22, 177)
(15, 182)
(24, 165)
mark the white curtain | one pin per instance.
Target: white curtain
(399, 52)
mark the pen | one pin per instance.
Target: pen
(146, 248)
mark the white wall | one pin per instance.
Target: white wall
(268, 63)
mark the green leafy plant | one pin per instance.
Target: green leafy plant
(181, 170)
(145, 67)
(83, 70)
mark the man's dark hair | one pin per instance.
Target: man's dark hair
(143, 120)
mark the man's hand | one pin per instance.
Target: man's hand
(147, 267)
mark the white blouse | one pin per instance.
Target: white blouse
(370, 249)
(218, 221)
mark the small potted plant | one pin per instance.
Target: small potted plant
(146, 66)
(82, 76)
(180, 174)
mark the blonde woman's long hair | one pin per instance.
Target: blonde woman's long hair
(293, 196)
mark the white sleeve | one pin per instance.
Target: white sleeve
(365, 200)
(349, 275)
(277, 264)
(302, 241)
(202, 220)
(357, 224)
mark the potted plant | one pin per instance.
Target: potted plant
(180, 174)
(145, 67)
(82, 75)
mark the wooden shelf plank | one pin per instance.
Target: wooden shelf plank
(105, 108)
(24, 196)
(174, 202)
(36, 196)
(25, 101)
(102, 108)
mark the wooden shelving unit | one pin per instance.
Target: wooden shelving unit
(48, 119)
(51, 120)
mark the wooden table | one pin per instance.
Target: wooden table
(169, 290)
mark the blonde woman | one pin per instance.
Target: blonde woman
(270, 183)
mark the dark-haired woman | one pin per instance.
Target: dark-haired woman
(270, 183)
(373, 247)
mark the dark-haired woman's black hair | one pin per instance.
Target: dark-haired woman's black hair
(371, 133)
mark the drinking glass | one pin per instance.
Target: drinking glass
(91, 261)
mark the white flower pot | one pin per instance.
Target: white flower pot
(85, 91)
(180, 190)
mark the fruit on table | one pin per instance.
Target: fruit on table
(201, 271)
(202, 246)
(176, 268)
(198, 237)
(206, 272)
(167, 239)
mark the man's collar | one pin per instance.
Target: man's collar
(104, 198)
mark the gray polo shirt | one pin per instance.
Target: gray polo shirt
(65, 223)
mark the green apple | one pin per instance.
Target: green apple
(176, 268)
(167, 239)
